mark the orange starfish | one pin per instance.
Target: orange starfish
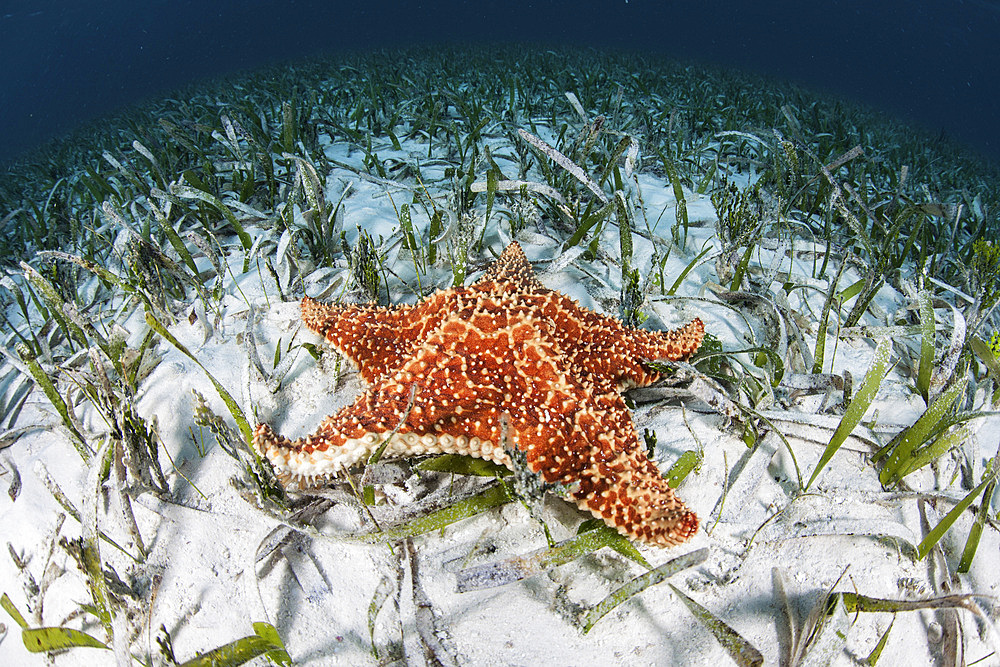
(444, 374)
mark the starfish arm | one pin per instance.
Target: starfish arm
(617, 352)
(627, 490)
(609, 351)
(376, 339)
(593, 450)
(334, 446)
(674, 345)
(512, 268)
(351, 436)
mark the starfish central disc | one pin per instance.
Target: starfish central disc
(445, 373)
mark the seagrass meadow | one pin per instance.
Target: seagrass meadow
(836, 433)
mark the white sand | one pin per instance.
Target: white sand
(317, 590)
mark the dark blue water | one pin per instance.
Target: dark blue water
(935, 63)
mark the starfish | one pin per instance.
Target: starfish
(501, 364)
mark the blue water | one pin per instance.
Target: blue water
(935, 64)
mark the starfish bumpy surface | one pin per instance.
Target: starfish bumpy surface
(503, 359)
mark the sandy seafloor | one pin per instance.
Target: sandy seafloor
(318, 590)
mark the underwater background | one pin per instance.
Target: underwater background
(933, 63)
(815, 187)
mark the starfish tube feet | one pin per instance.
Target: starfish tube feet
(289, 459)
